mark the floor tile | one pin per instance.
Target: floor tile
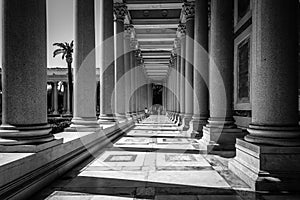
(119, 158)
(208, 179)
(181, 159)
(176, 197)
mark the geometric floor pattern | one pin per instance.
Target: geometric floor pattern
(154, 160)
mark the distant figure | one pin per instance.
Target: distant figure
(146, 112)
(159, 111)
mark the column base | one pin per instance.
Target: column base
(177, 119)
(67, 114)
(134, 116)
(128, 116)
(28, 148)
(181, 122)
(26, 134)
(121, 117)
(196, 127)
(267, 168)
(220, 138)
(281, 136)
(26, 138)
(84, 124)
(173, 116)
(55, 113)
(107, 119)
(186, 122)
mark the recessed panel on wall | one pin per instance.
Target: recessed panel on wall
(242, 12)
(242, 71)
(243, 61)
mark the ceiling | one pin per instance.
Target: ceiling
(155, 23)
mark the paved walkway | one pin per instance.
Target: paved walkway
(154, 160)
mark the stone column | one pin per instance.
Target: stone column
(68, 101)
(221, 131)
(274, 139)
(65, 98)
(84, 116)
(127, 51)
(189, 11)
(107, 68)
(24, 75)
(52, 97)
(133, 77)
(137, 78)
(132, 88)
(139, 89)
(173, 87)
(55, 98)
(181, 30)
(146, 92)
(201, 63)
(120, 11)
(178, 62)
(168, 96)
(170, 99)
(150, 94)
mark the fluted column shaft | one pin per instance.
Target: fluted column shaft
(24, 73)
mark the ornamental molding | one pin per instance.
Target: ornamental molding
(134, 44)
(181, 29)
(120, 11)
(189, 10)
(128, 30)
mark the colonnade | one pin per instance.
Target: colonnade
(53, 104)
(274, 133)
(24, 115)
(273, 93)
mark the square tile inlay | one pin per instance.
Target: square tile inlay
(179, 158)
(173, 141)
(120, 158)
(133, 140)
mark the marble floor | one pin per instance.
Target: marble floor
(154, 160)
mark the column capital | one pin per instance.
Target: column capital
(120, 11)
(181, 30)
(177, 44)
(128, 30)
(188, 10)
(138, 53)
(134, 44)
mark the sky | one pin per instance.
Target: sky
(59, 26)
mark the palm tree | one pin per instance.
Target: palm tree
(67, 50)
